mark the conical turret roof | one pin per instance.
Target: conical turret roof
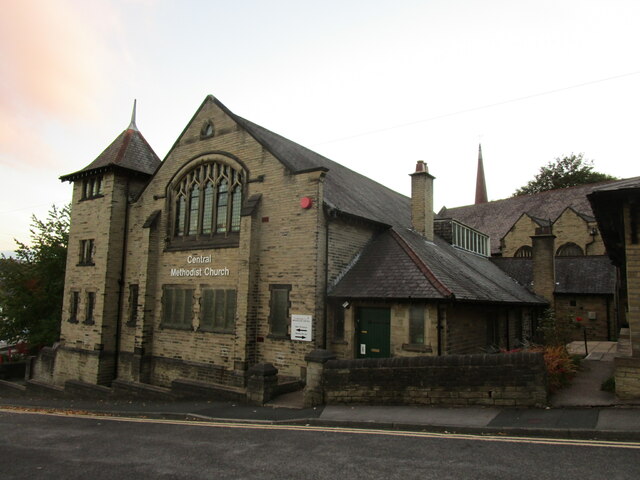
(129, 151)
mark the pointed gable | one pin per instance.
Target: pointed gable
(345, 190)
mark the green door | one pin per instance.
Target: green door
(373, 327)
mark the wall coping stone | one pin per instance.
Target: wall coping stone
(518, 358)
(320, 356)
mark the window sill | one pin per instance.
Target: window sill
(415, 347)
(86, 264)
(217, 331)
(273, 336)
(232, 240)
(176, 327)
(89, 322)
(92, 197)
(72, 320)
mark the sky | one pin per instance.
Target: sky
(375, 85)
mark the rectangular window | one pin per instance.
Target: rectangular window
(86, 252)
(416, 324)
(218, 309)
(90, 308)
(74, 305)
(279, 309)
(133, 304)
(92, 188)
(177, 307)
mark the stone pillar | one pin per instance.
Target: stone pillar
(262, 382)
(314, 389)
(544, 268)
(422, 215)
(628, 368)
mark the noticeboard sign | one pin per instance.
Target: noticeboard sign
(301, 327)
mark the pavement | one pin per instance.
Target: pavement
(580, 411)
(620, 422)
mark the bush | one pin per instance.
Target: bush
(560, 366)
(553, 332)
(609, 385)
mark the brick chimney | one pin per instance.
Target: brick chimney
(544, 267)
(422, 216)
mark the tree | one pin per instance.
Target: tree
(32, 283)
(564, 172)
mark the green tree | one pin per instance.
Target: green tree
(567, 171)
(32, 283)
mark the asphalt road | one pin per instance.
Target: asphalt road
(47, 446)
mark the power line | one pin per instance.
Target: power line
(481, 107)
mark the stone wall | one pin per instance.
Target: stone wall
(517, 379)
(597, 313)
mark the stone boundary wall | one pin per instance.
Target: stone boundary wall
(515, 379)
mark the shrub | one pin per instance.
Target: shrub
(553, 332)
(609, 385)
(560, 366)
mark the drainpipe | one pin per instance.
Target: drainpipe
(439, 327)
(123, 265)
(326, 282)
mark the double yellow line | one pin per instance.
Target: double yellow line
(311, 428)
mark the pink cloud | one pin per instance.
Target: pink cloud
(51, 58)
(52, 65)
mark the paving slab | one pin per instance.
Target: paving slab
(627, 419)
(435, 416)
(584, 390)
(560, 418)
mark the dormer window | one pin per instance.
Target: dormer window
(92, 187)
(206, 203)
(468, 239)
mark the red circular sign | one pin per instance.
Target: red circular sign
(306, 203)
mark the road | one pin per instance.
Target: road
(36, 445)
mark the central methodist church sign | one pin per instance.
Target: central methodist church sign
(199, 271)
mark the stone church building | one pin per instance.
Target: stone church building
(243, 248)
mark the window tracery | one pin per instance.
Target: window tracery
(207, 202)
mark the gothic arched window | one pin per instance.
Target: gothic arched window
(569, 250)
(207, 202)
(524, 252)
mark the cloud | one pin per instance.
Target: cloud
(52, 65)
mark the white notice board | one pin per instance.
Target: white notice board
(301, 327)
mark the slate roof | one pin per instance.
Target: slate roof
(585, 275)
(129, 151)
(497, 217)
(344, 190)
(402, 264)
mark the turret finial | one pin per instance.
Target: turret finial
(132, 125)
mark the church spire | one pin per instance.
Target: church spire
(481, 185)
(132, 125)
